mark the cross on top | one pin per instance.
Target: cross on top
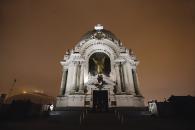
(98, 27)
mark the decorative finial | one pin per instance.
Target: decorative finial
(98, 27)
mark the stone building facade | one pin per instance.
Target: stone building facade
(99, 68)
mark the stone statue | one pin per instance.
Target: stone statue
(99, 65)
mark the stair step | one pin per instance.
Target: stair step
(100, 119)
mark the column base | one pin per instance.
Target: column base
(118, 93)
(130, 93)
(72, 92)
(81, 92)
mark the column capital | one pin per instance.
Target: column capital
(65, 68)
(133, 62)
(78, 62)
(75, 62)
(119, 63)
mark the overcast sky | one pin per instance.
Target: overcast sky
(34, 35)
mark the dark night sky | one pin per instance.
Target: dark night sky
(34, 35)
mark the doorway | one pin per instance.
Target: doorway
(100, 100)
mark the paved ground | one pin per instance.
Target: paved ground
(98, 121)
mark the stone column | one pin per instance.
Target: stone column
(69, 78)
(127, 90)
(136, 82)
(86, 67)
(122, 77)
(74, 77)
(63, 82)
(81, 85)
(130, 78)
(118, 79)
(78, 77)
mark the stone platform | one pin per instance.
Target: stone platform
(121, 119)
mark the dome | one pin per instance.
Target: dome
(37, 98)
(99, 32)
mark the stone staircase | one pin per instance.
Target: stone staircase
(89, 119)
(100, 119)
(117, 119)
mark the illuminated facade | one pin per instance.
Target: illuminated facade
(98, 72)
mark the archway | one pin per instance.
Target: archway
(99, 63)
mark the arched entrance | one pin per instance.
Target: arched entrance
(99, 63)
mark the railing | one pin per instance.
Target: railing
(82, 116)
(120, 116)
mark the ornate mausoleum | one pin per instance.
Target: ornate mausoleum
(99, 72)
